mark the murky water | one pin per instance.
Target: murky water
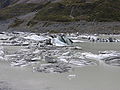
(84, 78)
(99, 77)
(99, 46)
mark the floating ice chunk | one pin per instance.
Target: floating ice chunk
(36, 59)
(4, 37)
(73, 37)
(25, 43)
(66, 39)
(78, 41)
(63, 60)
(24, 50)
(10, 57)
(2, 58)
(36, 38)
(57, 42)
(88, 36)
(20, 63)
(107, 55)
(66, 54)
(91, 56)
(107, 52)
(99, 56)
(75, 62)
(36, 51)
(1, 53)
(61, 41)
(76, 48)
(113, 58)
(71, 76)
(53, 68)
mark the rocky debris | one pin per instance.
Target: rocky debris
(53, 68)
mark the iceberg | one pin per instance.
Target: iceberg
(35, 37)
(99, 56)
(61, 41)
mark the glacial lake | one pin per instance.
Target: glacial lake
(96, 77)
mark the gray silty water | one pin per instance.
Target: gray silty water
(89, 77)
(99, 46)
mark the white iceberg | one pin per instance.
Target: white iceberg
(35, 37)
(99, 56)
(78, 41)
(3, 36)
(61, 41)
(57, 42)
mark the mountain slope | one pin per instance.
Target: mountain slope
(4, 3)
(106, 10)
(65, 10)
(102, 10)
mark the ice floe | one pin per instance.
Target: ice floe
(71, 76)
(61, 41)
(53, 53)
(100, 56)
(2, 53)
(36, 38)
(109, 57)
(53, 68)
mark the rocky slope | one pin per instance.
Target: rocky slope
(64, 10)
(4, 3)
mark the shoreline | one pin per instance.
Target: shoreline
(82, 27)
